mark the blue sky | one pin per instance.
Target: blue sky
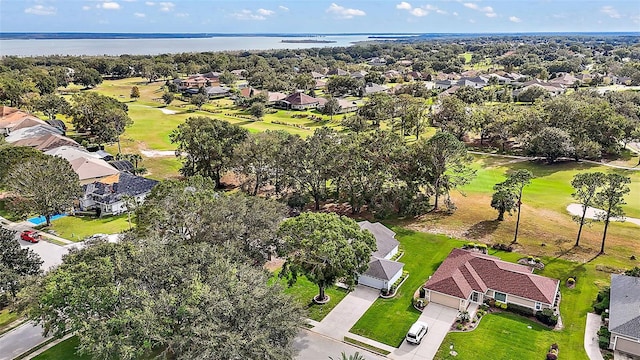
(332, 16)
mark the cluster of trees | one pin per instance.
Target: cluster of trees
(583, 125)
(376, 169)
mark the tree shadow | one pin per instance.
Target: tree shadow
(482, 229)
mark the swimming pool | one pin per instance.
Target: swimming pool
(41, 219)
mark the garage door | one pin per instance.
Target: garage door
(628, 346)
(445, 300)
(372, 282)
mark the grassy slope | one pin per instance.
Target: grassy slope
(544, 218)
(63, 351)
(7, 317)
(77, 228)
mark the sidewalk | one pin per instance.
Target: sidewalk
(591, 337)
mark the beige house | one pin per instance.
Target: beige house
(467, 277)
(91, 169)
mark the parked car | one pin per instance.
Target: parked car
(30, 236)
(417, 332)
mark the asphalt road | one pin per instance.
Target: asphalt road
(313, 346)
(19, 340)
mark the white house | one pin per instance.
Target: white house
(382, 272)
(108, 195)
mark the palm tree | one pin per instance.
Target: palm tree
(356, 356)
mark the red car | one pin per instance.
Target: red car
(30, 236)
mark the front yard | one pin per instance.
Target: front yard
(387, 321)
(77, 228)
(304, 291)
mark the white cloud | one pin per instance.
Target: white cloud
(265, 12)
(85, 8)
(404, 6)
(150, 3)
(515, 19)
(344, 13)
(455, 13)
(182, 15)
(611, 12)
(40, 10)
(166, 6)
(487, 10)
(139, 15)
(419, 12)
(248, 15)
(283, 8)
(110, 5)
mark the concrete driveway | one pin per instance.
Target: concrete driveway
(342, 318)
(440, 318)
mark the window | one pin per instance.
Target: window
(538, 306)
(500, 297)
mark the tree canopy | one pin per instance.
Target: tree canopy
(186, 300)
(206, 146)
(324, 247)
(44, 185)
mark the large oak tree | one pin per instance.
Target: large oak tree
(126, 300)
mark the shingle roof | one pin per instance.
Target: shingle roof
(31, 132)
(70, 153)
(385, 238)
(89, 168)
(463, 271)
(624, 306)
(46, 142)
(300, 98)
(126, 185)
(383, 269)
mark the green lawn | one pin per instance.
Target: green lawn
(7, 317)
(66, 350)
(500, 337)
(76, 228)
(388, 320)
(304, 291)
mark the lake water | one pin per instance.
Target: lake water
(160, 46)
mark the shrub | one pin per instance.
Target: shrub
(503, 247)
(464, 317)
(552, 356)
(530, 258)
(459, 326)
(501, 305)
(547, 316)
(571, 281)
(423, 292)
(537, 260)
(603, 342)
(520, 310)
(602, 301)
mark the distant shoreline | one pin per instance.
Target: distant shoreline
(80, 35)
(307, 41)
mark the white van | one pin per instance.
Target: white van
(417, 332)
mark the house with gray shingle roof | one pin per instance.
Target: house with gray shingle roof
(466, 277)
(382, 272)
(624, 314)
(109, 195)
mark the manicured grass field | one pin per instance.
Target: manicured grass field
(76, 228)
(304, 291)
(388, 320)
(66, 350)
